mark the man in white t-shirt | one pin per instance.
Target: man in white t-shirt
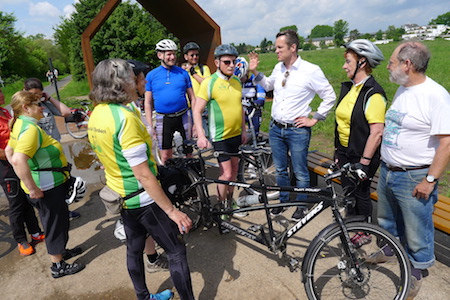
(415, 151)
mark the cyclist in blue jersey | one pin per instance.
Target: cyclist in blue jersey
(251, 92)
(166, 90)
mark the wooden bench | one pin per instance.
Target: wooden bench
(317, 165)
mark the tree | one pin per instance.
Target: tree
(340, 30)
(129, 33)
(379, 35)
(441, 19)
(354, 34)
(291, 27)
(321, 31)
(263, 45)
(394, 33)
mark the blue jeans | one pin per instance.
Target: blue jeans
(405, 216)
(294, 142)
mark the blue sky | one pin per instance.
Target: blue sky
(249, 21)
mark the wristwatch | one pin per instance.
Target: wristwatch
(431, 178)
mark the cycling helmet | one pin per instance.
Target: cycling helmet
(241, 67)
(77, 190)
(367, 49)
(166, 45)
(139, 67)
(190, 46)
(225, 50)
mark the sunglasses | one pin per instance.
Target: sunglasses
(228, 62)
(286, 75)
(38, 103)
(194, 55)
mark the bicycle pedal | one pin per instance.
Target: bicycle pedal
(255, 228)
(294, 264)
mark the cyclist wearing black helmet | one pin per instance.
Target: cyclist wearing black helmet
(197, 71)
(222, 93)
(359, 123)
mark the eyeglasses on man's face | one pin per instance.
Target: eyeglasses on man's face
(194, 55)
(37, 103)
(229, 62)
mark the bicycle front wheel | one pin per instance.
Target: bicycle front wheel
(329, 273)
(248, 173)
(78, 130)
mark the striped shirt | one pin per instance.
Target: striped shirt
(224, 106)
(43, 150)
(113, 130)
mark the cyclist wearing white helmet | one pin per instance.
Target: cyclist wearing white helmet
(252, 94)
(359, 123)
(166, 90)
(222, 93)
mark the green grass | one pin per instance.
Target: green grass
(74, 92)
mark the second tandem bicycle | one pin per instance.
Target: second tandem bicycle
(332, 267)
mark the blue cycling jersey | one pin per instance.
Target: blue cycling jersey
(168, 87)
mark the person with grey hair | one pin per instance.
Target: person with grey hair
(415, 150)
(123, 146)
(294, 82)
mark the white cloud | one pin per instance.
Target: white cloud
(43, 9)
(68, 10)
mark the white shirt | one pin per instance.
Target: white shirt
(417, 114)
(305, 80)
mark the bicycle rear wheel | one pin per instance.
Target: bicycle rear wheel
(248, 173)
(78, 130)
(329, 275)
(192, 204)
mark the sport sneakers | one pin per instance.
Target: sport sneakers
(360, 239)
(238, 214)
(76, 191)
(414, 288)
(276, 211)
(161, 264)
(299, 214)
(66, 269)
(37, 239)
(25, 248)
(164, 295)
(378, 257)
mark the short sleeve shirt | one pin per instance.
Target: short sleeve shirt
(195, 84)
(43, 150)
(224, 106)
(168, 87)
(114, 128)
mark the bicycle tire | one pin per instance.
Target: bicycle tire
(248, 174)
(327, 274)
(78, 130)
(193, 204)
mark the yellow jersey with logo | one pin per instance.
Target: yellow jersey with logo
(114, 128)
(224, 106)
(44, 152)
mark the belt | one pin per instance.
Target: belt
(283, 125)
(404, 169)
(174, 115)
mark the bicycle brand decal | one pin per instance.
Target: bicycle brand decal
(305, 220)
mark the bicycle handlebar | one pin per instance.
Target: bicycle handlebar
(347, 169)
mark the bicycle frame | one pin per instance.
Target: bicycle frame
(325, 197)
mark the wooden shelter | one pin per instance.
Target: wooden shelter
(184, 18)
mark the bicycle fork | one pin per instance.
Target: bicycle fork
(349, 249)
